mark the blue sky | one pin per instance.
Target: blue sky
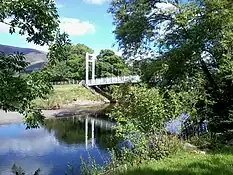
(86, 21)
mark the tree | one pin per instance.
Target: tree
(109, 64)
(193, 42)
(59, 50)
(66, 61)
(76, 60)
(38, 21)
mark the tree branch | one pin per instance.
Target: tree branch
(208, 74)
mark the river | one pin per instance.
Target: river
(54, 145)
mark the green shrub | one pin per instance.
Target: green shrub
(142, 115)
(164, 145)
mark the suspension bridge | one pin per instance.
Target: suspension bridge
(91, 58)
(113, 80)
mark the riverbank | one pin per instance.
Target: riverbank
(64, 101)
(65, 96)
(87, 108)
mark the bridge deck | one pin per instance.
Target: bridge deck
(113, 80)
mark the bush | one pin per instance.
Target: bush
(164, 145)
(142, 116)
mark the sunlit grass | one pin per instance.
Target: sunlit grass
(186, 164)
(65, 94)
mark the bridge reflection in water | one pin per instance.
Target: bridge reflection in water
(95, 122)
(55, 144)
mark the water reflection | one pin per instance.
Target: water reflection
(54, 145)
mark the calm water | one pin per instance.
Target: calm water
(53, 146)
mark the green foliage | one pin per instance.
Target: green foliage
(90, 167)
(38, 21)
(59, 50)
(148, 109)
(141, 117)
(66, 61)
(76, 61)
(18, 90)
(164, 145)
(109, 64)
(192, 42)
(58, 71)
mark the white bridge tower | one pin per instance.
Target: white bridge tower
(90, 58)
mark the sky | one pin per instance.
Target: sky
(86, 21)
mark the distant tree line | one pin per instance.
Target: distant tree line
(67, 61)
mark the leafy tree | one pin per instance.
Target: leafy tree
(59, 50)
(58, 72)
(109, 64)
(38, 21)
(34, 19)
(76, 60)
(67, 61)
(81, 49)
(193, 41)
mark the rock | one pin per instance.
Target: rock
(230, 142)
(202, 152)
(190, 147)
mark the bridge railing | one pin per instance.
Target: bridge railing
(102, 81)
(113, 80)
(67, 82)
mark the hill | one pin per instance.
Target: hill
(37, 59)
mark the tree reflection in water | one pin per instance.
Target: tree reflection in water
(73, 130)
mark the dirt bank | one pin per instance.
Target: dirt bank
(77, 108)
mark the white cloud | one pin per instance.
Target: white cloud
(114, 49)
(165, 6)
(72, 26)
(4, 28)
(37, 142)
(119, 53)
(98, 2)
(44, 48)
(75, 27)
(59, 6)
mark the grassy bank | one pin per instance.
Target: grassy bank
(185, 164)
(65, 94)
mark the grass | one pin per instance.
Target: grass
(186, 164)
(65, 94)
